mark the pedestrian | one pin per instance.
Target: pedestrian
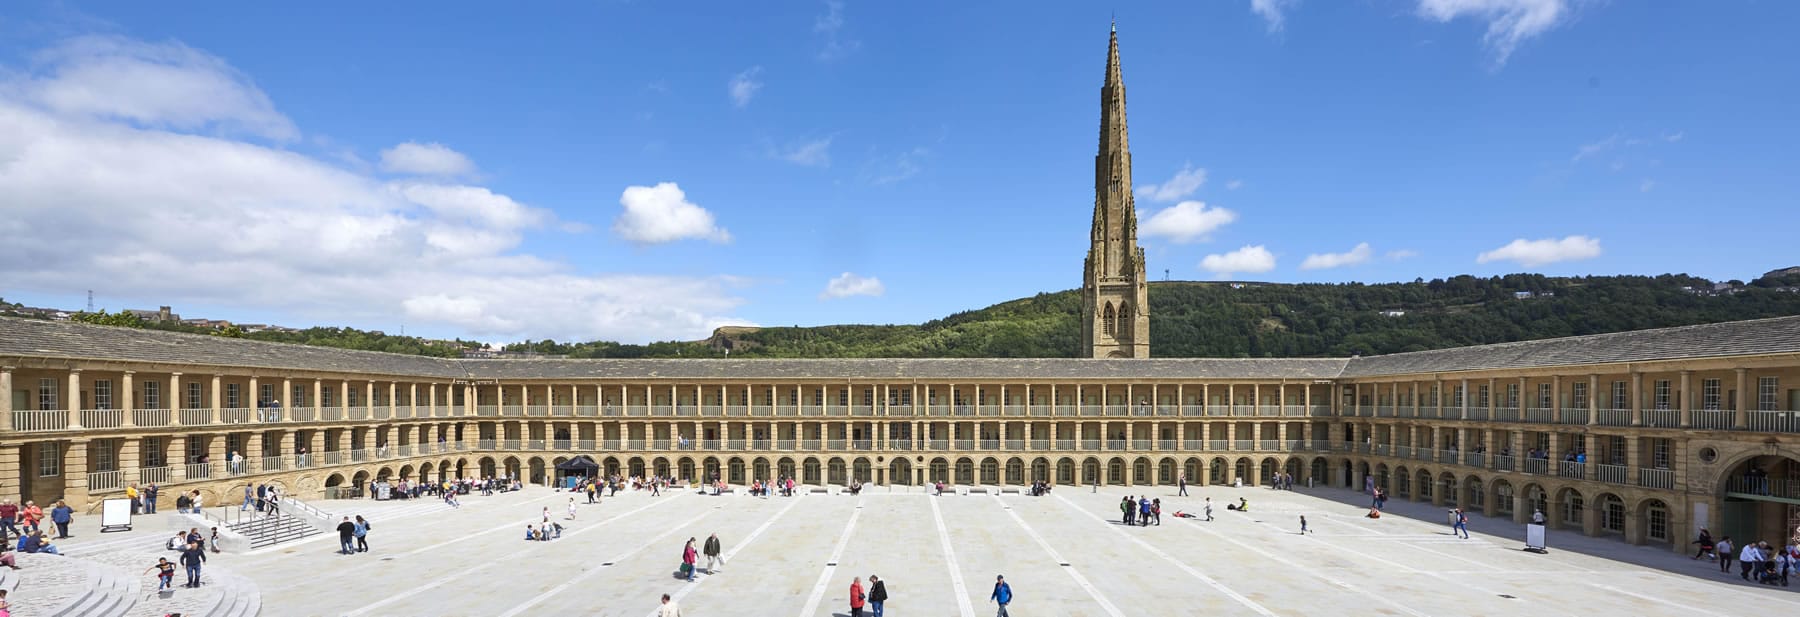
(150, 493)
(346, 531)
(191, 559)
(1182, 483)
(1143, 511)
(215, 540)
(1461, 524)
(1706, 544)
(62, 515)
(1156, 510)
(1537, 517)
(1749, 559)
(31, 515)
(1303, 529)
(1209, 508)
(131, 493)
(362, 534)
(688, 558)
(165, 573)
(1002, 595)
(571, 508)
(669, 608)
(1724, 548)
(857, 598)
(9, 516)
(713, 560)
(1126, 509)
(877, 595)
(249, 497)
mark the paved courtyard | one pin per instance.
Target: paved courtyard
(1063, 554)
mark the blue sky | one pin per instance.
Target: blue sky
(469, 171)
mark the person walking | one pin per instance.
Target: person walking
(877, 595)
(1156, 510)
(1209, 508)
(249, 497)
(688, 558)
(571, 508)
(713, 560)
(1002, 595)
(1461, 526)
(1182, 484)
(1706, 544)
(31, 515)
(1749, 559)
(62, 515)
(1303, 529)
(165, 573)
(669, 608)
(149, 494)
(857, 598)
(362, 534)
(1724, 548)
(1143, 511)
(346, 532)
(191, 558)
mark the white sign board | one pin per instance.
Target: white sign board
(115, 514)
(1534, 536)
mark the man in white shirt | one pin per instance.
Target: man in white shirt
(1749, 560)
(669, 608)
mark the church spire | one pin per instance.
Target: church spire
(1114, 291)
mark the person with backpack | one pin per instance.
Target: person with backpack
(877, 595)
(362, 534)
(1002, 594)
(1461, 525)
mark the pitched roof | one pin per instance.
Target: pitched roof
(1732, 338)
(936, 369)
(73, 340)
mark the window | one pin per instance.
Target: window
(106, 455)
(1709, 394)
(47, 395)
(1481, 396)
(1612, 513)
(1768, 391)
(1658, 516)
(232, 394)
(103, 394)
(350, 397)
(196, 449)
(49, 459)
(298, 397)
(1621, 395)
(1436, 396)
(1659, 453)
(152, 395)
(1457, 396)
(194, 400)
(1545, 400)
(900, 396)
(325, 396)
(1107, 321)
(1579, 395)
(1512, 395)
(868, 397)
(843, 397)
(154, 454)
(1615, 450)
(1572, 506)
(267, 393)
(1661, 394)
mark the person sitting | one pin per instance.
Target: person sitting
(1243, 505)
(177, 543)
(531, 533)
(36, 543)
(556, 527)
(1374, 513)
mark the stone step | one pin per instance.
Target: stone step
(108, 591)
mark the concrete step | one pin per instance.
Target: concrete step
(108, 591)
(238, 597)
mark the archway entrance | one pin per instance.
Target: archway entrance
(1761, 499)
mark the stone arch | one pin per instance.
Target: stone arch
(538, 471)
(1108, 319)
(1501, 493)
(836, 472)
(1015, 471)
(759, 469)
(1219, 471)
(734, 471)
(861, 470)
(1400, 483)
(610, 466)
(900, 471)
(990, 471)
(1195, 468)
(965, 471)
(635, 467)
(489, 468)
(1424, 483)
(1140, 471)
(1090, 469)
(1040, 470)
(1124, 327)
(1293, 469)
(406, 472)
(334, 480)
(1244, 471)
(360, 481)
(938, 470)
(810, 471)
(1065, 471)
(1447, 489)
(1474, 494)
(1537, 499)
(1321, 469)
(426, 471)
(684, 468)
(1167, 470)
(1115, 471)
(659, 466)
(710, 470)
(385, 474)
(1265, 472)
(511, 463)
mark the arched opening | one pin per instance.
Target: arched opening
(610, 465)
(759, 469)
(1320, 469)
(512, 467)
(1165, 471)
(659, 467)
(900, 471)
(1266, 473)
(1124, 327)
(1537, 500)
(1115, 471)
(1195, 469)
(1400, 484)
(710, 471)
(538, 475)
(1292, 468)
(784, 468)
(1570, 506)
(488, 467)
(1015, 471)
(1090, 469)
(334, 480)
(1140, 471)
(836, 473)
(406, 472)
(1474, 494)
(1220, 468)
(1065, 471)
(1503, 497)
(734, 471)
(1447, 487)
(809, 471)
(990, 471)
(1612, 513)
(1242, 471)
(1655, 515)
(939, 471)
(965, 471)
(684, 467)
(635, 466)
(1424, 485)
(1040, 470)
(1761, 498)
(425, 472)
(860, 471)
(1107, 320)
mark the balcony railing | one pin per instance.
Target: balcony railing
(1784, 488)
(1663, 418)
(1537, 466)
(1506, 414)
(1503, 463)
(1615, 474)
(303, 414)
(1571, 469)
(197, 471)
(1540, 415)
(271, 463)
(48, 420)
(153, 475)
(1613, 417)
(1713, 419)
(487, 410)
(1772, 421)
(102, 418)
(105, 480)
(1656, 478)
(1572, 415)
(356, 413)
(152, 417)
(195, 416)
(331, 414)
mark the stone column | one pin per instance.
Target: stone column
(6, 422)
(74, 407)
(253, 453)
(318, 399)
(1743, 399)
(255, 394)
(393, 399)
(130, 459)
(1637, 398)
(217, 398)
(1593, 399)
(75, 472)
(1682, 397)
(215, 455)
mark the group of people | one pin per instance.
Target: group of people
(353, 531)
(1142, 511)
(1757, 561)
(1040, 488)
(192, 547)
(783, 485)
(265, 497)
(1282, 481)
(143, 501)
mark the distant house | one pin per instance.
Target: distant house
(161, 314)
(1393, 313)
(1522, 295)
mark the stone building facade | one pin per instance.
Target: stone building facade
(1666, 424)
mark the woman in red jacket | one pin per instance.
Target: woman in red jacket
(856, 597)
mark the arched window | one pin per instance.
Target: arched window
(1108, 320)
(1124, 326)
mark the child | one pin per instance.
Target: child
(165, 573)
(1303, 529)
(5, 609)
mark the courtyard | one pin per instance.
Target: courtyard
(1063, 554)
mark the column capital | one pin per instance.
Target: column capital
(75, 370)
(175, 374)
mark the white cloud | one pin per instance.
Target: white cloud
(1182, 185)
(1533, 253)
(432, 159)
(744, 86)
(172, 209)
(884, 170)
(815, 153)
(1674, 137)
(1646, 185)
(1509, 21)
(848, 284)
(1591, 149)
(662, 213)
(1271, 11)
(149, 85)
(1249, 259)
(1186, 222)
(1234, 185)
(1402, 254)
(831, 25)
(1321, 261)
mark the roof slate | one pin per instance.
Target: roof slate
(60, 340)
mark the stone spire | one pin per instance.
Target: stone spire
(1114, 293)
